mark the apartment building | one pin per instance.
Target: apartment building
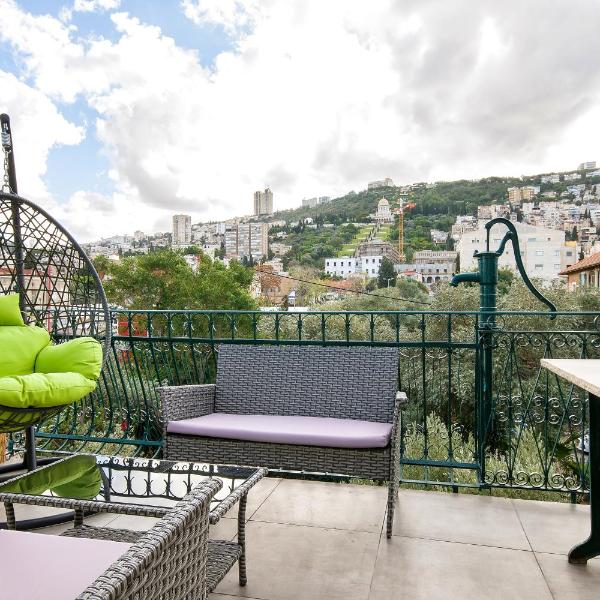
(263, 202)
(587, 165)
(516, 195)
(552, 178)
(312, 202)
(347, 266)
(246, 240)
(544, 251)
(182, 230)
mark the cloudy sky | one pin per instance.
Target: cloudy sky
(127, 111)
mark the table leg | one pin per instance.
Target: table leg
(581, 553)
(242, 538)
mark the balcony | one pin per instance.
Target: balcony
(309, 539)
(510, 439)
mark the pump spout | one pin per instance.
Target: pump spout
(465, 278)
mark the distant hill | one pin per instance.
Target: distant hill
(436, 207)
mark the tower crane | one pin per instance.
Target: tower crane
(401, 208)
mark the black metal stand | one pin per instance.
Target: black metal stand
(580, 554)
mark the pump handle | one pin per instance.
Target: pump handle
(513, 237)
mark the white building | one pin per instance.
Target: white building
(138, 236)
(182, 230)
(346, 266)
(571, 176)
(544, 251)
(383, 213)
(312, 202)
(587, 165)
(381, 183)
(552, 178)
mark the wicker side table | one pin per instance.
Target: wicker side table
(150, 488)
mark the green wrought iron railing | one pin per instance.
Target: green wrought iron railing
(535, 438)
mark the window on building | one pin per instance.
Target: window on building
(556, 267)
(335, 264)
(531, 239)
(372, 270)
(539, 267)
(569, 253)
(539, 253)
(557, 253)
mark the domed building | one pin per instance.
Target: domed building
(384, 213)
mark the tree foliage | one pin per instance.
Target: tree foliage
(163, 280)
(387, 273)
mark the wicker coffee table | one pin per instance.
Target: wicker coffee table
(136, 486)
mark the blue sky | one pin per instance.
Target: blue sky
(85, 166)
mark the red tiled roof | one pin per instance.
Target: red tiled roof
(588, 262)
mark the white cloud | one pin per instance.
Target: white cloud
(233, 15)
(318, 98)
(37, 127)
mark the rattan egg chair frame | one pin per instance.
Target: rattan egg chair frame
(58, 285)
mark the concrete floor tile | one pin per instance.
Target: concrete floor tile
(215, 596)
(470, 519)
(417, 569)
(256, 496)
(98, 520)
(553, 526)
(570, 582)
(133, 522)
(319, 504)
(289, 562)
(225, 529)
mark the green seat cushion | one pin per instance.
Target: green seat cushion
(77, 477)
(81, 355)
(19, 346)
(44, 389)
(10, 313)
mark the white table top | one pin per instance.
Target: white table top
(582, 372)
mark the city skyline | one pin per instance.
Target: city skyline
(119, 106)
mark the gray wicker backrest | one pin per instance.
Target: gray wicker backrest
(337, 382)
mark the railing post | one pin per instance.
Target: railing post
(487, 278)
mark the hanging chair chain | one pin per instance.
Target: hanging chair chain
(6, 182)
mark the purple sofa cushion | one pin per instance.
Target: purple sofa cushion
(37, 565)
(306, 431)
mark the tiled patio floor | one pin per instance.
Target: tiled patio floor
(309, 540)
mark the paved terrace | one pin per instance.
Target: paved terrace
(312, 540)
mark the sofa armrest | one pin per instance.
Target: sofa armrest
(186, 402)
(396, 438)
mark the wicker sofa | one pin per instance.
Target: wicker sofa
(167, 562)
(316, 409)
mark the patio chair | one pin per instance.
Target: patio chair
(311, 409)
(58, 287)
(167, 562)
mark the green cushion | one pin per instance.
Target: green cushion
(77, 477)
(44, 389)
(10, 313)
(81, 355)
(19, 347)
